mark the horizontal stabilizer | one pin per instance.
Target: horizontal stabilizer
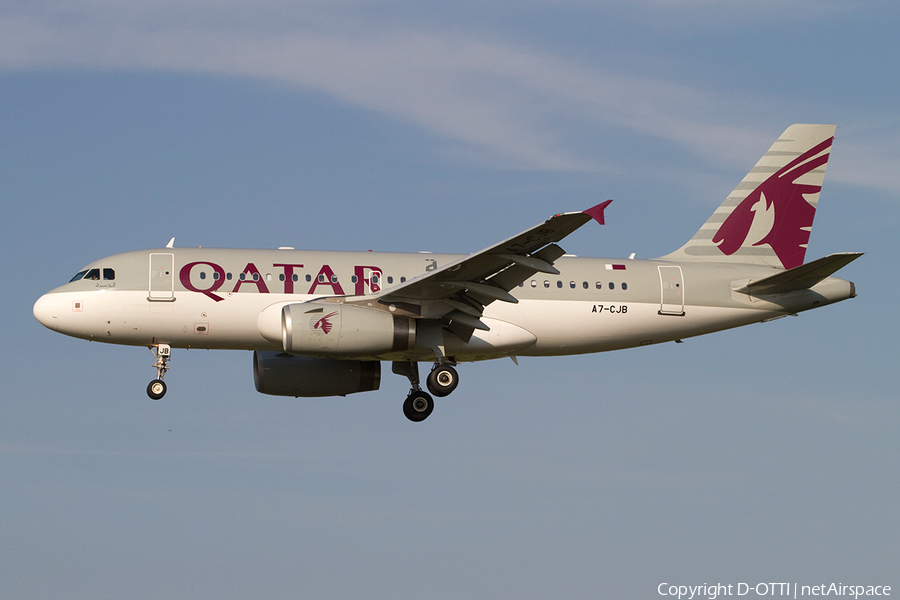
(799, 278)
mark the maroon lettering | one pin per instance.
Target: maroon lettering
(185, 277)
(288, 276)
(326, 277)
(372, 282)
(250, 270)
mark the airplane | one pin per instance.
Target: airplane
(320, 323)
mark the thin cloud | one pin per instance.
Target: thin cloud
(501, 102)
(491, 95)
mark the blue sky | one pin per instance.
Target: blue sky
(767, 453)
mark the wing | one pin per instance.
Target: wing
(458, 292)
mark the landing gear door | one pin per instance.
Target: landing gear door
(162, 277)
(671, 281)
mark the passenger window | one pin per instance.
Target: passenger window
(585, 285)
(308, 278)
(559, 284)
(390, 279)
(109, 274)
(624, 286)
(93, 275)
(612, 286)
(78, 276)
(546, 283)
(599, 286)
(533, 283)
(572, 284)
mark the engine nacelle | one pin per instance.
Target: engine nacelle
(330, 329)
(282, 374)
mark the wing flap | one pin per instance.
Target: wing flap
(530, 262)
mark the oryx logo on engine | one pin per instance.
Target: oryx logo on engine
(323, 323)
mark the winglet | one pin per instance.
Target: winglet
(597, 212)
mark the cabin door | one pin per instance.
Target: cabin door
(162, 277)
(671, 283)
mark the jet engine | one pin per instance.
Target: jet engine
(334, 329)
(282, 374)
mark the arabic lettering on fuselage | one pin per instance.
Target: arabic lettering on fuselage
(366, 279)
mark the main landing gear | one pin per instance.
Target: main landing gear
(442, 380)
(157, 388)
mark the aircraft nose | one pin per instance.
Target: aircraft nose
(46, 310)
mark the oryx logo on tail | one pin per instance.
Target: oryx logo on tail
(776, 212)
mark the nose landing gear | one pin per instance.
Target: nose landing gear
(157, 388)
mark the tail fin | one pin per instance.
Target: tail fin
(768, 217)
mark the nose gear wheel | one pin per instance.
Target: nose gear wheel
(157, 388)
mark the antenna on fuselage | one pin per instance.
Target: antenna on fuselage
(171, 243)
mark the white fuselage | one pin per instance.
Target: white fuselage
(232, 299)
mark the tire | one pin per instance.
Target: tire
(418, 406)
(156, 389)
(442, 380)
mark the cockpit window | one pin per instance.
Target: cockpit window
(94, 275)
